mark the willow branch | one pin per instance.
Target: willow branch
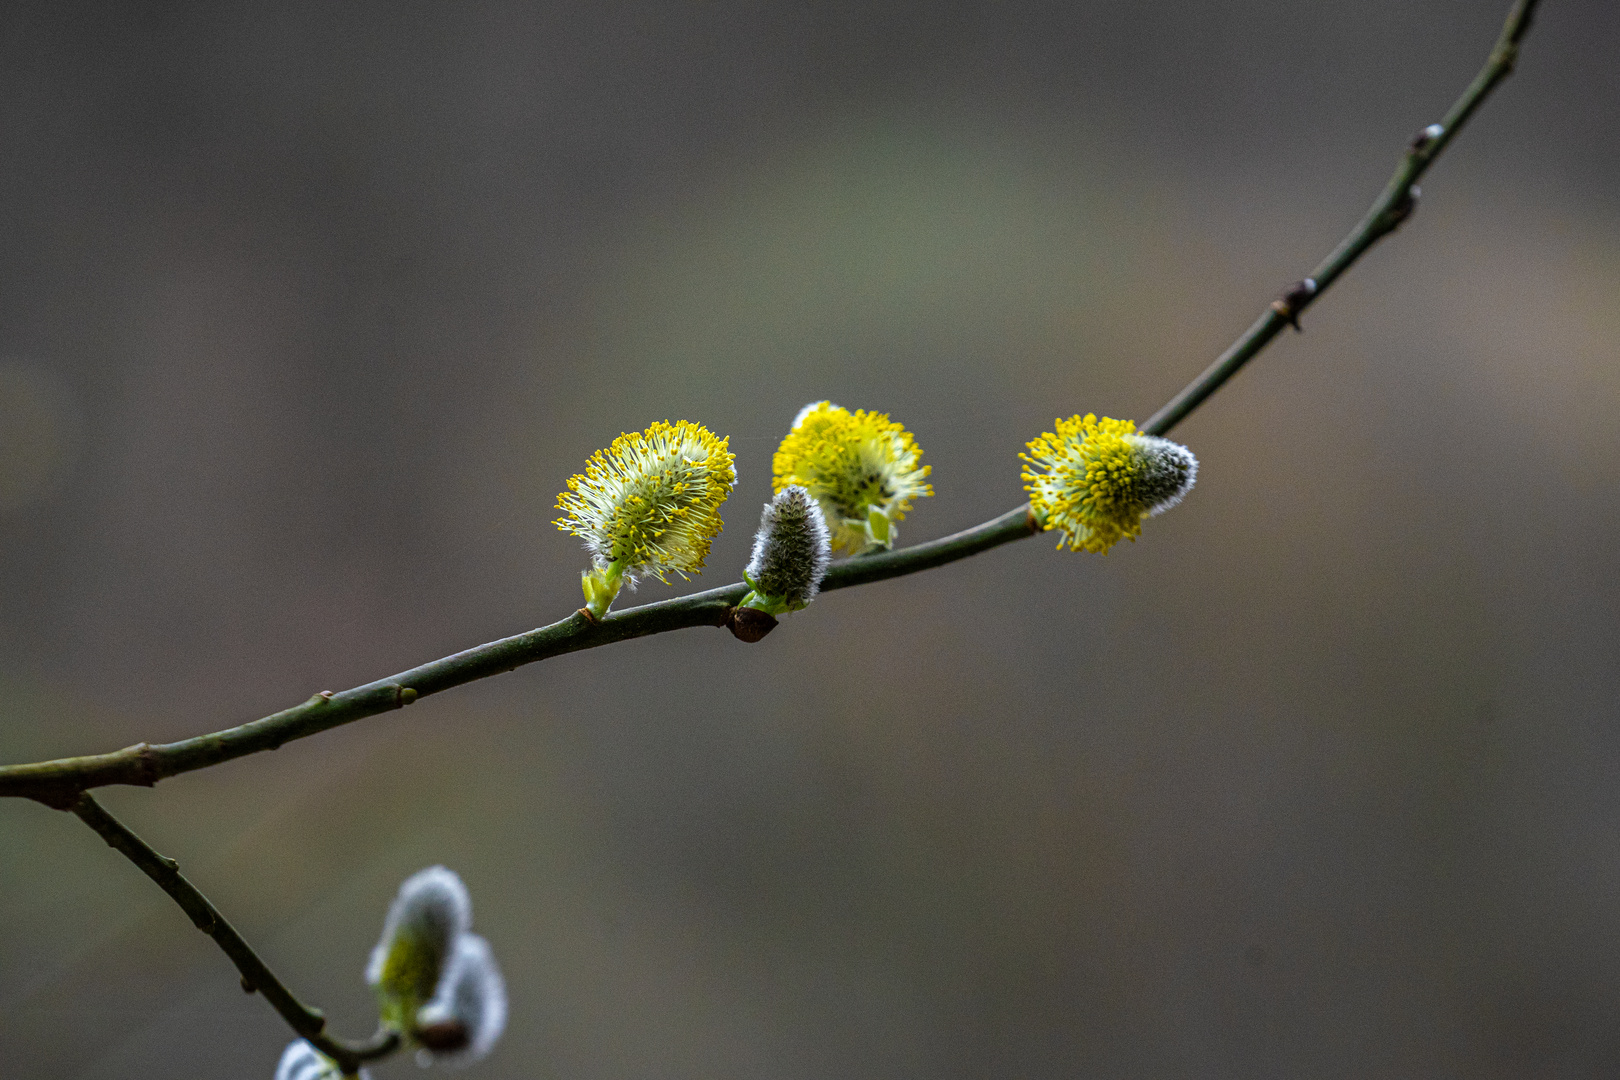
(65, 783)
(256, 975)
(58, 783)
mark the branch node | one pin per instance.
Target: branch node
(1400, 210)
(248, 987)
(586, 612)
(1425, 138)
(404, 695)
(1293, 301)
(146, 772)
(57, 798)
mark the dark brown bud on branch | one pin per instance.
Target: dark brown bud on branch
(1293, 301)
(749, 624)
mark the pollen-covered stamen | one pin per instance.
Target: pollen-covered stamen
(861, 468)
(1095, 480)
(648, 504)
(791, 552)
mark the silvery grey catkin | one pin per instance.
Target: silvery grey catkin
(791, 551)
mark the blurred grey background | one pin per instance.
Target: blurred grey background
(307, 311)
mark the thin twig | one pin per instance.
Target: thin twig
(304, 1020)
(58, 783)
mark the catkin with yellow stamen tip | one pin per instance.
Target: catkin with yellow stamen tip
(1096, 480)
(647, 505)
(861, 468)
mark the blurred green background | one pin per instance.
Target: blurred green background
(308, 310)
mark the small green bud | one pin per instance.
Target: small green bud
(879, 528)
(792, 550)
(600, 585)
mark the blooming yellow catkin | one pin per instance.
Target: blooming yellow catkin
(1095, 480)
(649, 504)
(861, 468)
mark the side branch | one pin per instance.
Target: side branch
(59, 783)
(1388, 212)
(304, 1020)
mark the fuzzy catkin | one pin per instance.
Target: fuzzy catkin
(472, 997)
(792, 548)
(301, 1061)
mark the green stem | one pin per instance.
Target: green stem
(256, 975)
(58, 783)
(602, 586)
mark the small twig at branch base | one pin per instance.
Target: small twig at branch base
(256, 976)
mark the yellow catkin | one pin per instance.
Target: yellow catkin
(650, 503)
(851, 464)
(1095, 480)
